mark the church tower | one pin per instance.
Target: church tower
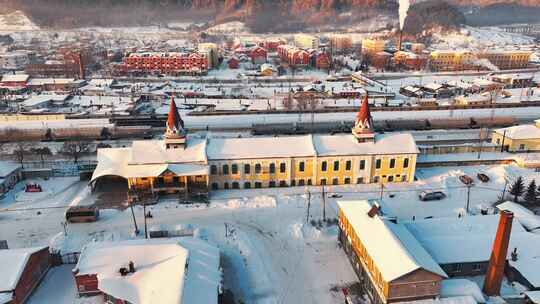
(363, 126)
(175, 134)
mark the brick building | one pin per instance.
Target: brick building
(165, 63)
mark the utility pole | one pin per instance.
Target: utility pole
(502, 143)
(324, 204)
(481, 138)
(468, 197)
(504, 189)
(134, 221)
(382, 191)
(308, 205)
(145, 226)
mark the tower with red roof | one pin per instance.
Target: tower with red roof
(175, 134)
(363, 125)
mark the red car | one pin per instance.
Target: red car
(467, 180)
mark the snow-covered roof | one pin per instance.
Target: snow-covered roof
(12, 263)
(260, 147)
(171, 270)
(57, 124)
(525, 217)
(520, 132)
(345, 144)
(528, 265)
(380, 237)
(467, 239)
(460, 288)
(154, 152)
(6, 297)
(36, 100)
(451, 300)
(7, 167)
(44, 81)
(15, 78)
(87, 101)
(113, 161)
(534, 296)
(433, 86)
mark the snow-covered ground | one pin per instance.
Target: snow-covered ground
(272, 253)
(16, 21)
(476, 38)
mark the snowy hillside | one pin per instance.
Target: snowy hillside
(16, 21)
(471, 37)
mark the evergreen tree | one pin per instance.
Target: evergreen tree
(531, 194)
(517, 188)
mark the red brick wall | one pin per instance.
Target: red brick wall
(419, 284)
(36, 268)
(87, 284)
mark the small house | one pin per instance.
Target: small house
(233, 63)
(267, 70)
(10, 175)
(21, 270)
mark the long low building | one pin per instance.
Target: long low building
(192, 166)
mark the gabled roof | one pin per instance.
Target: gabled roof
(393, 249)
(12, 264)
(363, 117)
(520, 132)
(345, 144)
(174, 122)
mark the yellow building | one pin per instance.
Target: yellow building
(181, 164)
(212, 53)
(305, 41)
(522, 138)
(390, 262)
(450, 60)
(507, 60)
(373, 46)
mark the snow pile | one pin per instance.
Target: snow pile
(263, 201)
(461, 287)
(303, 231)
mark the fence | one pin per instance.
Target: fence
(62, 168)
(62, 259)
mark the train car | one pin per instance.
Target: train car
(495, 122)
(82, 214)
(458, 123)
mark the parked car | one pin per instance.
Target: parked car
(483, 177)
(467, 180)
(336, 195)
(431, 196)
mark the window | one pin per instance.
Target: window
(335, 181)
(225, 169)
(390, 179)
(247, 169)
(362, 164)
(378, 164)
(258, 185)
(247, 185)
(215, 186)
(348, 165)
(375, 179)
(234, 169)
(225, 185)
(282, 183)
(456, 268)
(477, 267)
(293, 183)
(336, 165)
(309, 181)
(257, 168)
(235, 185)
(392, 163)
(406, 163)
(522, 146)
(213, 169)
(404, 178)
(301, 182)
(301, 166)
(282, 167)
(360, 180)
(323, 166)
(323, 181)
(347, 180)
(272, 184)
(272, 168)
(498, 141)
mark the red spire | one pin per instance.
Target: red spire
(174, 122)
(363, 118)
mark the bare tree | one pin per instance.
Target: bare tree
(75, 149)
(42, 152)
(20, 152)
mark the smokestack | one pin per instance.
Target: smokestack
(81, 66)
(400, 40)
(497, 262)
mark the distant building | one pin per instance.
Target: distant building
(507, 60)
(305, 41)
(233, 63)
(55, 84)
(212, 53)
(14, 80)
(514, 80)
(450, 60)
(16, 60)
(267, 69)
(373, 46)
(22, 270)
(10, 175)
(258, 55)
(340, 43)
(410, 60)
(165, 63)
(177, 270)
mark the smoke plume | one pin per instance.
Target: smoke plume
(403, 10)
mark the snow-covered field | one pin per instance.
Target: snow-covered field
(16, 21)
(272, 253)
(471, 37)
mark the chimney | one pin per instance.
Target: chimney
(514, 255)
(497, 262)
(131, 266)
(373, 211)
